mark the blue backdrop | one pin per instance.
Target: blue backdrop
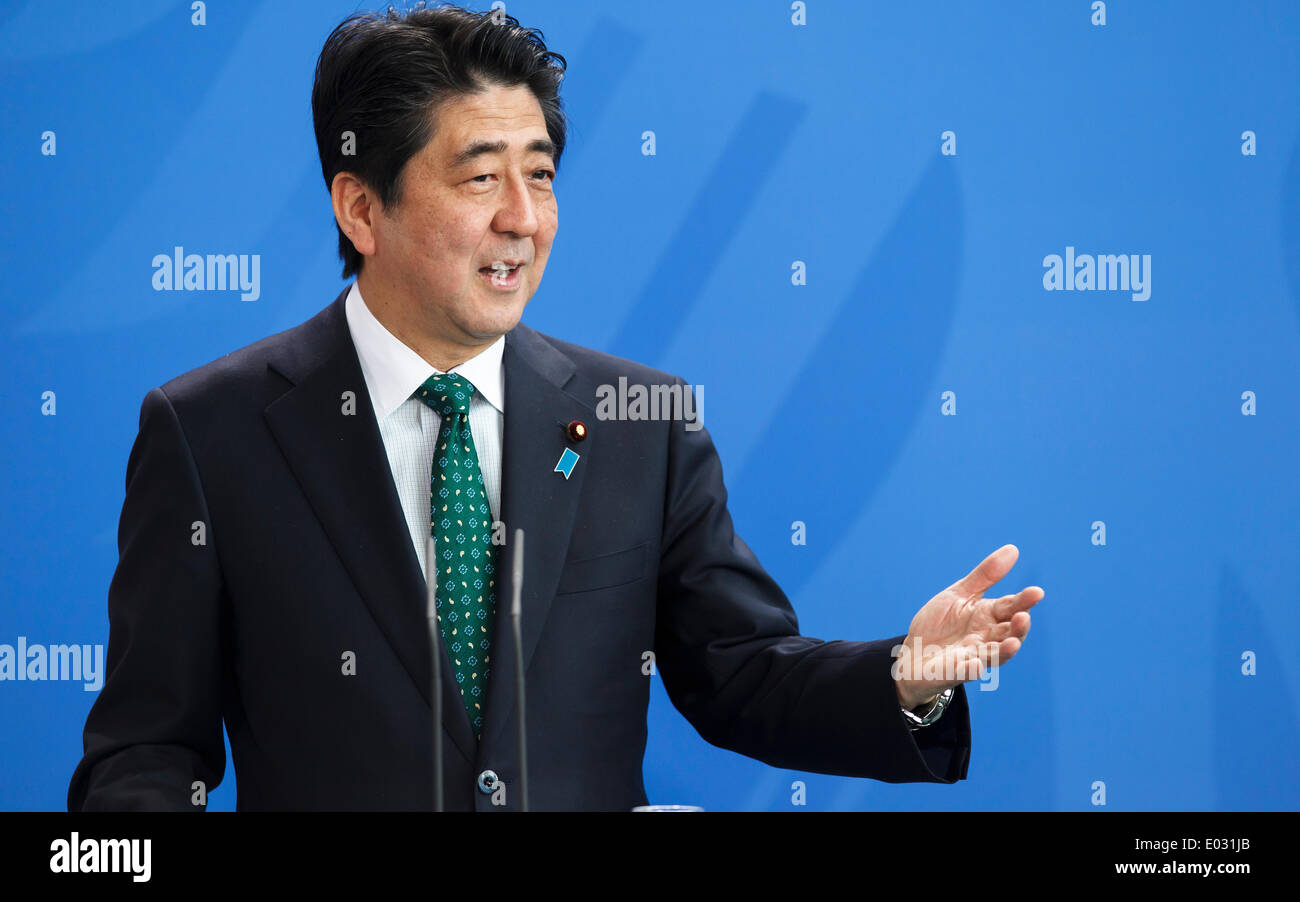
(845, 217)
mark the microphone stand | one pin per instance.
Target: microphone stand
(435, 649)
(515, 616)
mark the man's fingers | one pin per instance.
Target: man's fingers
(969, 665)
(1008, 605)
(989, 571)
(1017, 626)
(1020, 624)
(999, 646)
(1008, 649)
(995, 654)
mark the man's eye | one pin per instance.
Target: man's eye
(550, 176)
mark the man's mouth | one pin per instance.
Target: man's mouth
(502, 275)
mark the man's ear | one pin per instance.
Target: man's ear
(353, 211)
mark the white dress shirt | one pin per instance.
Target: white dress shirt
(409, 427)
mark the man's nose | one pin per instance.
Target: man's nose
(516, 213)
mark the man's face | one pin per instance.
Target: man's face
(465, 204)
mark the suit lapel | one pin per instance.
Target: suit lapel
(535, 498)
(340, 462)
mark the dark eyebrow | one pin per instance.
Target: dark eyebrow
(480, 148)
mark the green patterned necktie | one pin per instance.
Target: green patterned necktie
(462, 527)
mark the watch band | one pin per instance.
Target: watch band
(916, 721)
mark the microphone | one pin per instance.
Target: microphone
(516, 612)
(435, 649)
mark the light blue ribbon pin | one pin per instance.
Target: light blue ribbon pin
(567, 461)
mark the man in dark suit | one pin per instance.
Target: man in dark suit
(278, 500)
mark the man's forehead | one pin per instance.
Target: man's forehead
(474, 148)
(500, 120)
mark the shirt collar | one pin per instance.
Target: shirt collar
(393, 371)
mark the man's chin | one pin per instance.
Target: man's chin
(487, 318)
(491, 328)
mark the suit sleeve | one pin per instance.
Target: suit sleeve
(733, 662)
(156, 726)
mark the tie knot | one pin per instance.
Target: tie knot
(447, 393)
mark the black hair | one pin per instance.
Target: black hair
(382, 77)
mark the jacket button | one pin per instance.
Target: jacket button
(487, 781)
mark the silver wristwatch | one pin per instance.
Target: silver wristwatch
(916, 721)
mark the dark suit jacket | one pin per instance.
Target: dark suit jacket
(307, 556)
